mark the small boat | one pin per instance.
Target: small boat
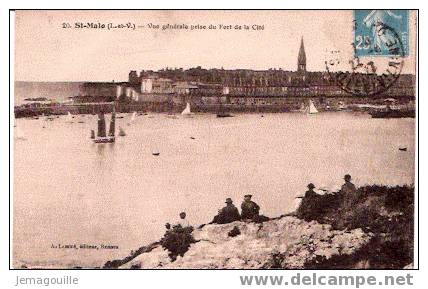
(403, 149)
(224, 114)
(173, 116)
(155, 153)
(92, 134)
(121, 132)
(101, 134)
(186, 111)
(192, 137)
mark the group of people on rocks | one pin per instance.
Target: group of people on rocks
(250, 210)
(178, 237)
(310, 206)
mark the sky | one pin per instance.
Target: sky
(45, 51)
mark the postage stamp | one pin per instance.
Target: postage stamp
(376, 32)
(380, 46)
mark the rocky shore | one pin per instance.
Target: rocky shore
(292, 104)
(376, 233)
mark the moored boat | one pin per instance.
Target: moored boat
(393, 113)
(121, 132)
(224, 114)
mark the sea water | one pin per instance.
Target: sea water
(69, 191)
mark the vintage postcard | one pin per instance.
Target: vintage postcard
(226, 139)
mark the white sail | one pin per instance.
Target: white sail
(134, 115)
(186, 111)
(312, 108)
(69, 117)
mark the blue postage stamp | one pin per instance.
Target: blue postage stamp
(381, 32)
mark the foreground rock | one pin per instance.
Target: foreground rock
(286, 242)
(376, 232)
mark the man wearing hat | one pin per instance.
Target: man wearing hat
(310, 192)
(227, 214)
(349, 191)
(309, 206)
(250, 210)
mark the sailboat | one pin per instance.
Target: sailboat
(69, 118)
(311, 109)
(341, 106)
(101, 134)
(134, 115)
(186, 111)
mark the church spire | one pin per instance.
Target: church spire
(301, 60)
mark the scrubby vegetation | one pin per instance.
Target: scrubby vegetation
(387, 212)
(177, 241)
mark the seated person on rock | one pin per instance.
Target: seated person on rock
(309, 205)
(227, 214)
(182, 223)
(250, 210)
